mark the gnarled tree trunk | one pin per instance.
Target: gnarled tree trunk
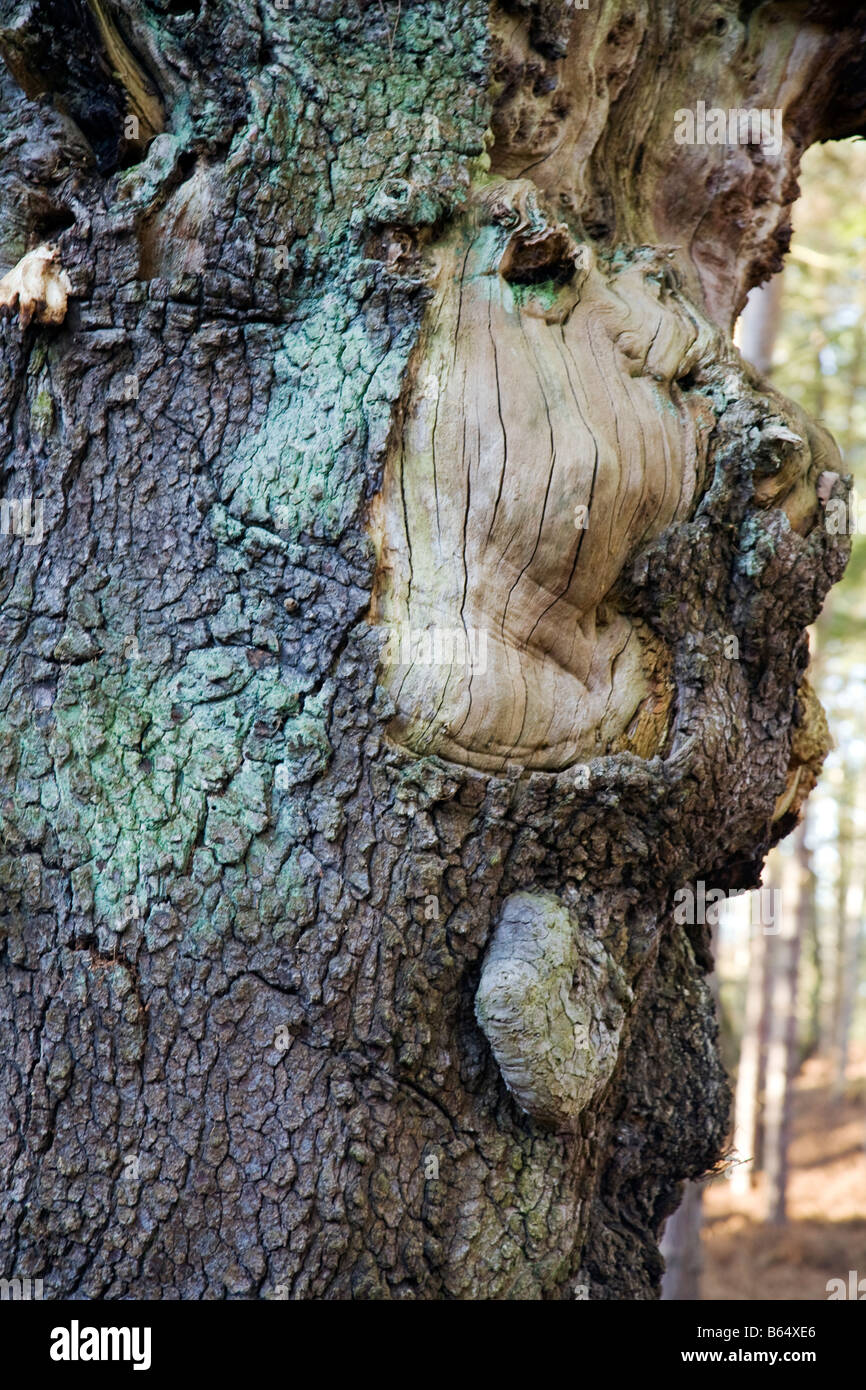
(419, 604)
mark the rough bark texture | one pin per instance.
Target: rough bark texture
(246, 905)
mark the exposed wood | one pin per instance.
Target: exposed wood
(545, 441)
(38, 287)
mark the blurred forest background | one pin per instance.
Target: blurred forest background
(788, 1214)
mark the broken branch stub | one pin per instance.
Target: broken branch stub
(551, 1002)
(37, 286)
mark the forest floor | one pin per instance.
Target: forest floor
(825, 1235)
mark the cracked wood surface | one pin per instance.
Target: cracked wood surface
(545, 441)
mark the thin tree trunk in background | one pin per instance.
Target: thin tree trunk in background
(783, 961)
(850, 910)
(811, 948)
(681, 1248)
(819, 391)
(845, 1016)
(836, 929)
(758, 326)
(748, 1090)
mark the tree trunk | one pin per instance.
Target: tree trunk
(836, 952)
(750, 1071)
(412, 600)
(811, 944)
(783, 974)
(849, 907)
(758, 326)
(681, 1248)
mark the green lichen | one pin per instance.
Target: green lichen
(137, 771)
(151, 783)
(544, 293)
(42, 414)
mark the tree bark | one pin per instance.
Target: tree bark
(419, 602)
(750, 1071)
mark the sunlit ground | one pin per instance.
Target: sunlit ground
(825, 1236)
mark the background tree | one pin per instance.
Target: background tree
(331, 969)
